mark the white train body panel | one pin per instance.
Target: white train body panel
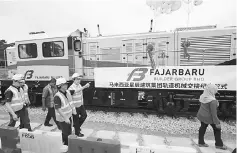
(208, 47)
(128, 50)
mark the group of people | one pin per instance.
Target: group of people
(65, 105)
(17, 101)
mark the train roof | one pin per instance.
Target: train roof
(180, 30)
(44, 35)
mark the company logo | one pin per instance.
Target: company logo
(29, 74)
(137, 74)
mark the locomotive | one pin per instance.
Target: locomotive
(42, 57)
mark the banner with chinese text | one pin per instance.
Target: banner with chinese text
(168, 77)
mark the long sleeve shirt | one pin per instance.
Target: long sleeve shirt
(207, 112)
(48, 95)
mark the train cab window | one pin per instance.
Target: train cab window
(27, 51)
(53, 49)
(77, 45)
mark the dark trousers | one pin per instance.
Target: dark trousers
(78, 121)
(23, 114)
(217, 134)
(51, 114)
(66, 131)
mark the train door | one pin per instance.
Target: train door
(92, 58)
(128, 53)
(76, 59)
(139, 52)
(233, 46)
(71, 56)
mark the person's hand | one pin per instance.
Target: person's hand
(87, 85)
(14, 116)
(67, 121)
(28, 103)
(218, 126)
(44, 108)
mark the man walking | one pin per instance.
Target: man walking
(14, 103)
(48, 101)
(25, 111)
(77, 96)
(64, 109)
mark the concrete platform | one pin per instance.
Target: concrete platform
(35, 125)
(86, 132)
(212, 148)
(148, 140)
(161, 149)
(105, 134)
(47, 128)
(150, 143)
(128, 139)
(177, 141)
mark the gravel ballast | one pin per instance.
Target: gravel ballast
(167, 125)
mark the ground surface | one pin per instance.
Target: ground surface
(144, 127)
(162, 126)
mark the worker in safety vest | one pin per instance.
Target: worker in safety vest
(24, 86)
(77, 96)
(14, 102)
(26, 96)
(64, 108)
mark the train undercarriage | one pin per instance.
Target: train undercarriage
(162, 101)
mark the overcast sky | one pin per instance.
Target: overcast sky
(19, 17)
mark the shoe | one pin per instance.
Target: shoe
(203, 145)
(48, 124)
(80, 135)
(30, 130)
(222, 147)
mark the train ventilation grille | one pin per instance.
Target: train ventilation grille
(217, 50)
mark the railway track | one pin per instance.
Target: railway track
(143, 111)
(190, 113)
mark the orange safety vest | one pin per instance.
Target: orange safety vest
(77, 97)
(17, 98)
(66, 106)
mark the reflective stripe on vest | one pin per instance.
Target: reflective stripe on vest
(65, 106)
(25, 89)
(77, 97)
(17, 98)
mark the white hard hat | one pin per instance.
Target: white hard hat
(17, 77)
(76, 75)
(61, 81)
